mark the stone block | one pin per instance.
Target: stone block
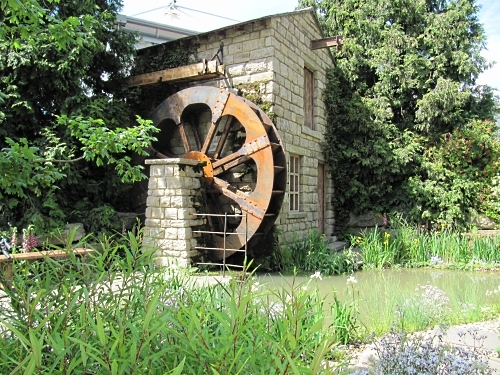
(170, 213)
(164, 245)
(188, 214)
(181, 245)
(236, 70)
(184, 234)
(152, 184)
(153, 201)
(171, 234)
(174, 183)
(161, 183)
(256, 67)
(243, 80)
(156, 170)
(175, 223)
(164, 202)
(155, 233)
(154, 213)
(240, 38)
(169, 170)
(235, 48)
(254, 44)
(261, 53)
(242, 57)
(152, 222)
(196, 183)
(180, 201)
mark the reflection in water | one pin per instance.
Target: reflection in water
(380, 291)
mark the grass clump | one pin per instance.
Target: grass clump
(312, 254)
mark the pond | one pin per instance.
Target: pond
(380, 292)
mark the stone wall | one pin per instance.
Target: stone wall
(173, 195)
(265, 60)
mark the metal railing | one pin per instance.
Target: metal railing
(224, 233)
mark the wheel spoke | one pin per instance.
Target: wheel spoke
(242, 155)
(245, 201)
(196, 134)
(210, 137)
(185, 142)
(223, 137)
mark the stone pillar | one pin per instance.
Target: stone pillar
(173, 193)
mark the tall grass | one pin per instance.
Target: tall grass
(124, 316)
(405, 245)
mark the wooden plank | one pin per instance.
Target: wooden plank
(46, 253)
(193, 72)
(334, 41)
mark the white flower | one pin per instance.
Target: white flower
(352, 280)
(255, 286)
(317, 275)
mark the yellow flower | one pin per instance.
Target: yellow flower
(438, 232)
(387, 235)
(415, 240)
(443, 225)
(386, 243)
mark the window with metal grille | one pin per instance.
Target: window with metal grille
(309, 99)
(294, 181)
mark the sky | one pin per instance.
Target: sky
(205, 15)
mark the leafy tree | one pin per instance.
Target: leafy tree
(404, 78)
(64, 124)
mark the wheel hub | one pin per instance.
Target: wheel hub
(208, 170)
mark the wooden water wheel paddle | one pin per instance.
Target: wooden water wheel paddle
(245, 164)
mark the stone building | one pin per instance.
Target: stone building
(274, 62)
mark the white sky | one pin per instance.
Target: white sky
(244, 10)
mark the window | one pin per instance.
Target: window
(294, 181)
(309, 99)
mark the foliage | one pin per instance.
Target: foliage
(401, 353)
(457, 171)
(396, 92)
(124, 316)
(312, 254)
(64, 131)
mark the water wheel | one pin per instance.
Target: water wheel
(245, 164)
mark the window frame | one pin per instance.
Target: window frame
(294, 183)
(309, 87)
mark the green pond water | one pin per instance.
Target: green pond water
(379, 292)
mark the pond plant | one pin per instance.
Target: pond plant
(408, 245)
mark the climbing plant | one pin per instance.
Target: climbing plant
(403, 84)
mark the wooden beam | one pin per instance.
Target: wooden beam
(193, 72)
(334, 41)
